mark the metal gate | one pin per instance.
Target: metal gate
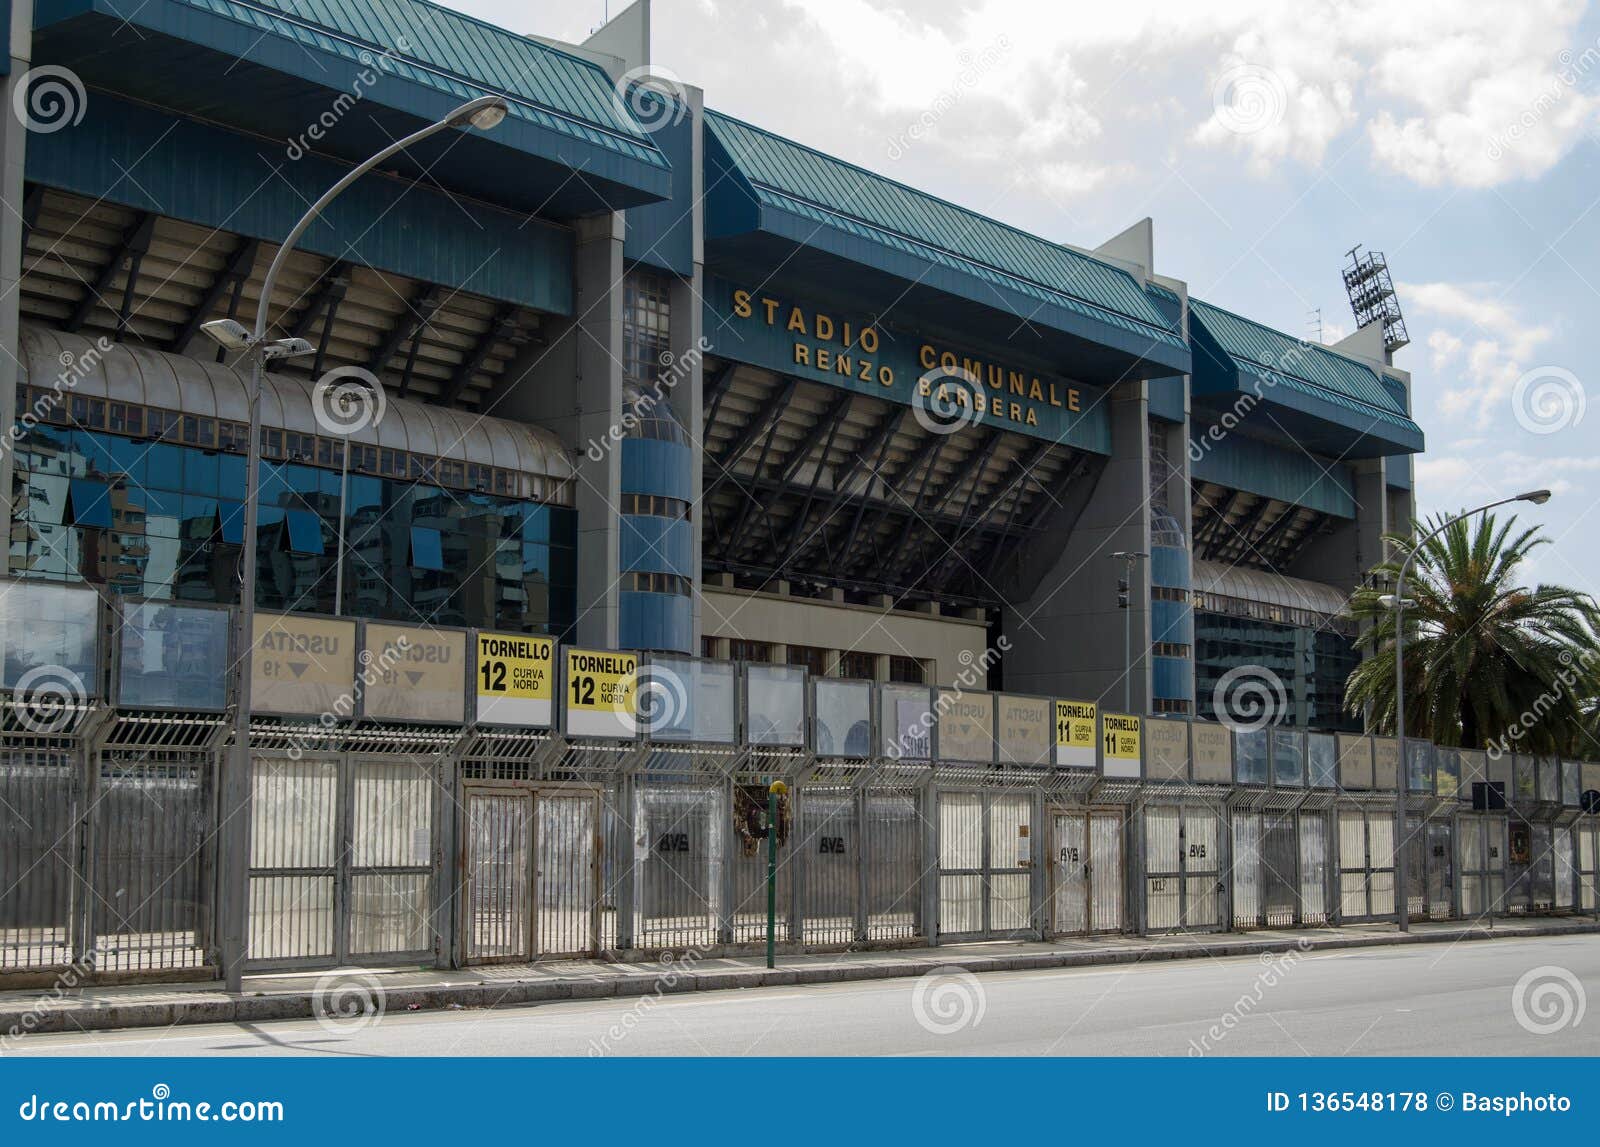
(38, 859)
(678, 848)
(1182, 882)
(342, 860)
(531, 872)
(893, 855)
(1086, 872)
(1481, 844)
(1566, 867)
(1588, 875)
(1268, 879)
(1430, 868)
(1315, 869)
(1366, 864)
(831, 874)
(984, 878)
(148, 851)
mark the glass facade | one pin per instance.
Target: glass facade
(1313, 665)
(161, 519)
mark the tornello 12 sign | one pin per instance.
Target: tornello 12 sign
(834, 346)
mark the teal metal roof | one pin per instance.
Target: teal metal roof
(792, 178)
(1276, 357)
(1323, 399)
(453, 52)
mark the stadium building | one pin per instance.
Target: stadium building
(649, 379)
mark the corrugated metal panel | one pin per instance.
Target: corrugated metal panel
(440, 49)
(795, 178)
(1265, 352)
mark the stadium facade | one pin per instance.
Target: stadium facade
(633, 376)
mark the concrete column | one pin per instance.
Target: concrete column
(687, 402)
(13, 150)
(572, 386)
(1067, 631)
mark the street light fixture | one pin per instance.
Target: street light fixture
(1397, 601)
(483, 113)
(1124, 587)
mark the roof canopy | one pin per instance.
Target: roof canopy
(1316, 397)
(347, 77)
(771, 201)
(175, 382)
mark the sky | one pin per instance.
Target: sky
(1265, 140)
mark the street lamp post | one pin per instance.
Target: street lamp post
(483, 113)
(1402, 895)
(1128, 558)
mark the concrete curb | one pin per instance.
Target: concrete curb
(207, 1007)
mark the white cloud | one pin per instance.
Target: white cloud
(1480, 346)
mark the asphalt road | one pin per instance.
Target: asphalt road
(1418, 1000)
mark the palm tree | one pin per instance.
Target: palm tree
(1485, 655)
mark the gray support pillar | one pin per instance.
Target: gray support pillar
(625, 861)
(930, 864)
(13, 150)
(572, 386)
(1067, 633)
(687, 401)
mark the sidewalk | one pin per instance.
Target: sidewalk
(301, 995)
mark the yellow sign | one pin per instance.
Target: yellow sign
(414, 674)
(1119, 744)
(1075, 734)
(302, 665)
(600, 693)
(515, 679)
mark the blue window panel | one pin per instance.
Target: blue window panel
(230, 474)
(201, 472)
(115, 454)
(656, 545)
(655, 466)
(535, 522)
(1172, 678)
(305, 532)
(1172, 621)
(535, 561)
(91, 503)
(164, 467)
(656, 621)
(232, 522)
(427, 548)
(1169, 566)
